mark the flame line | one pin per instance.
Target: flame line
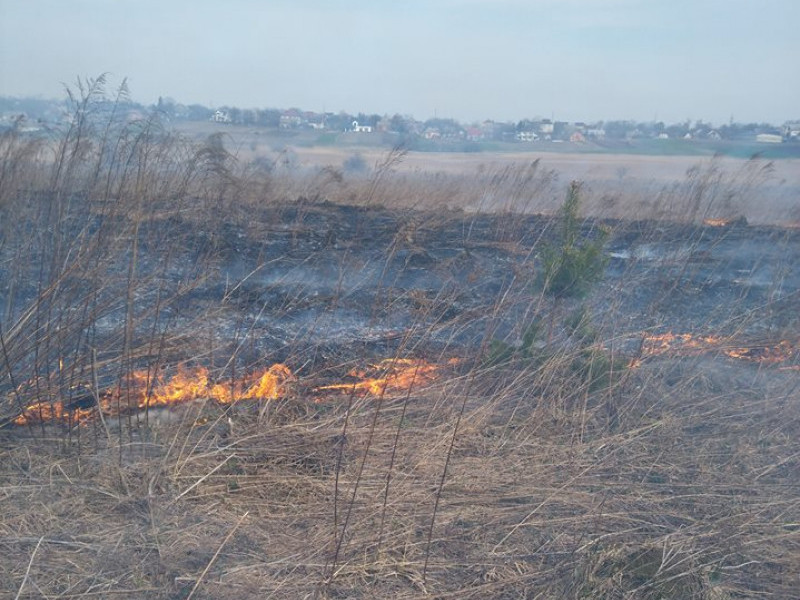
(145, 390)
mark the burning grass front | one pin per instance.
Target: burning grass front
(696, 484)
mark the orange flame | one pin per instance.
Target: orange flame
(687, 344)
(195, 384)
(717, 222)
(146, 390)
(395, 374)
(771, 354)
(684, 343)
(55, 411)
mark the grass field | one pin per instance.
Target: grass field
(248, 372)
(636, 180)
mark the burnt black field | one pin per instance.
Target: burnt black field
(317, 284)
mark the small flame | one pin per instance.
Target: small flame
(717, 222)
(55, 411)
(145, 391)
(398, 374)
(195, 384)
(776, 353)
(687, 344)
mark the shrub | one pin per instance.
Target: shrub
(571, 267)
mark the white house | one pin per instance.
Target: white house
(361, 128)
(221, 116)
(527, 136)
(769, 138)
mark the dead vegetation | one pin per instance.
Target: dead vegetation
(535, 464)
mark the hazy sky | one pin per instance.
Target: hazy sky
(468, 59)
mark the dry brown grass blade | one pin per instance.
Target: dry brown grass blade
(216, 468)
(216, 554)
(28, 569)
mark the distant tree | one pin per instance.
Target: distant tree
(560, 130)
(618, 129)
(445, 126)
(678, 130)
(234, 113)
(33, 108)
(504, 131)
(398, 124)
(369, 120)
(166, 107)
(269, 117)
(249, 116)
(340, 121)
(198, 112)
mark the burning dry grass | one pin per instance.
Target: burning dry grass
(530, 467)
(693, 493)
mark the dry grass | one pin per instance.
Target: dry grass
(500, 479)
(692, 494)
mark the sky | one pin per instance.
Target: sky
(569, 60)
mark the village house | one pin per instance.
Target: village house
(475, 134)
(577, 138)
(597, 133)
(769, 138)
(356, 128)
(527, 136)
(290, 119)
(220, 116)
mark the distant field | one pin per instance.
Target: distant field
(630, 182)
(587, 167)
(636, 184)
